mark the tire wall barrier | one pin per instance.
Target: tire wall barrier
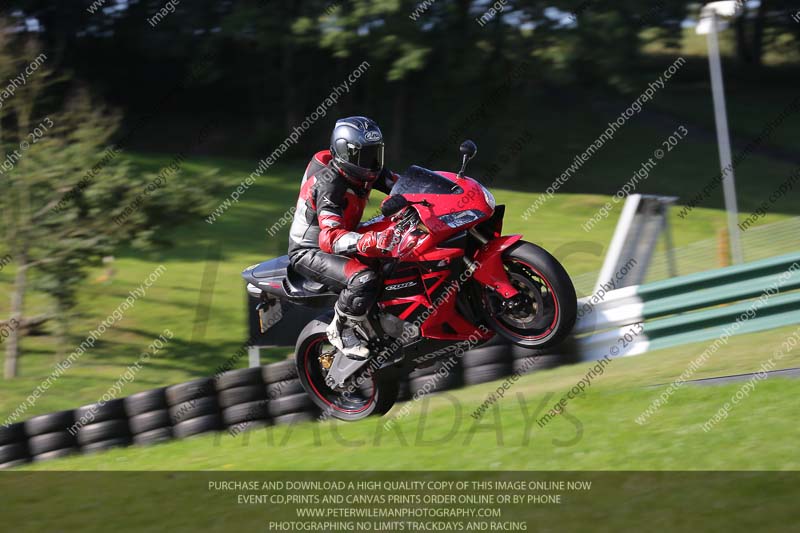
(235, 401)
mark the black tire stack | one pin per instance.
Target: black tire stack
(243, 399)
(49, 436)
(148, 416)
(488, 362)
(427, 379)
(528, 360)
(288, 402)
(108, 427)
(13, 446)
(193, 408)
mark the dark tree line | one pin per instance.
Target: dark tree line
(268, 63)
(272, 61)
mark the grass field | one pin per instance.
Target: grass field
(440, 440)
(598, 431)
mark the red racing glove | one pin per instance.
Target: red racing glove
(375, 243)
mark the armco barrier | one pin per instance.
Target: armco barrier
(739, 299)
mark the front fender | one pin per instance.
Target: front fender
(490, 269)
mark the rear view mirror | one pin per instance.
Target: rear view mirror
(468, 150)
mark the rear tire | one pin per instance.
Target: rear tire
(359, 405)
(549, 307)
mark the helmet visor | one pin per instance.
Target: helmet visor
(371, 157)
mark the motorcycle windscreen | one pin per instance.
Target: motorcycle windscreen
(418, 180)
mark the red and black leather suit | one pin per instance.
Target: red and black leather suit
(322, 240)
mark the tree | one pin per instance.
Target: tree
(66, 189)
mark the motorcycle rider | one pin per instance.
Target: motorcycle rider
(323, 245)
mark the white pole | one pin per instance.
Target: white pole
(254, 356)
(723, 139)
(621, 234)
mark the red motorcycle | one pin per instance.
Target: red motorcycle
(450, 282)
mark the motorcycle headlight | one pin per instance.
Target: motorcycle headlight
(489, 197)
(461, 218)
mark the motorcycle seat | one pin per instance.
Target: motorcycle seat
(296, 284)
(274, 268)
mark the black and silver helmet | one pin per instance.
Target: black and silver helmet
(357, 149)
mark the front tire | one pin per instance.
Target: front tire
(545, 311)
(375, 396)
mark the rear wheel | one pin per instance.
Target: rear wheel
(544, 311)
(375, 396)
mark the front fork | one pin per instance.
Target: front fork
(488, 264)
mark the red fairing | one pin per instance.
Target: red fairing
(472, 198)
(428, 295)
(490, 271)
(425, 288)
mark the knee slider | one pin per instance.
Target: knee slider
(364, 280)
(358, 297)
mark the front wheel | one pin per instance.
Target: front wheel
(544, 311)
(369, 395)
